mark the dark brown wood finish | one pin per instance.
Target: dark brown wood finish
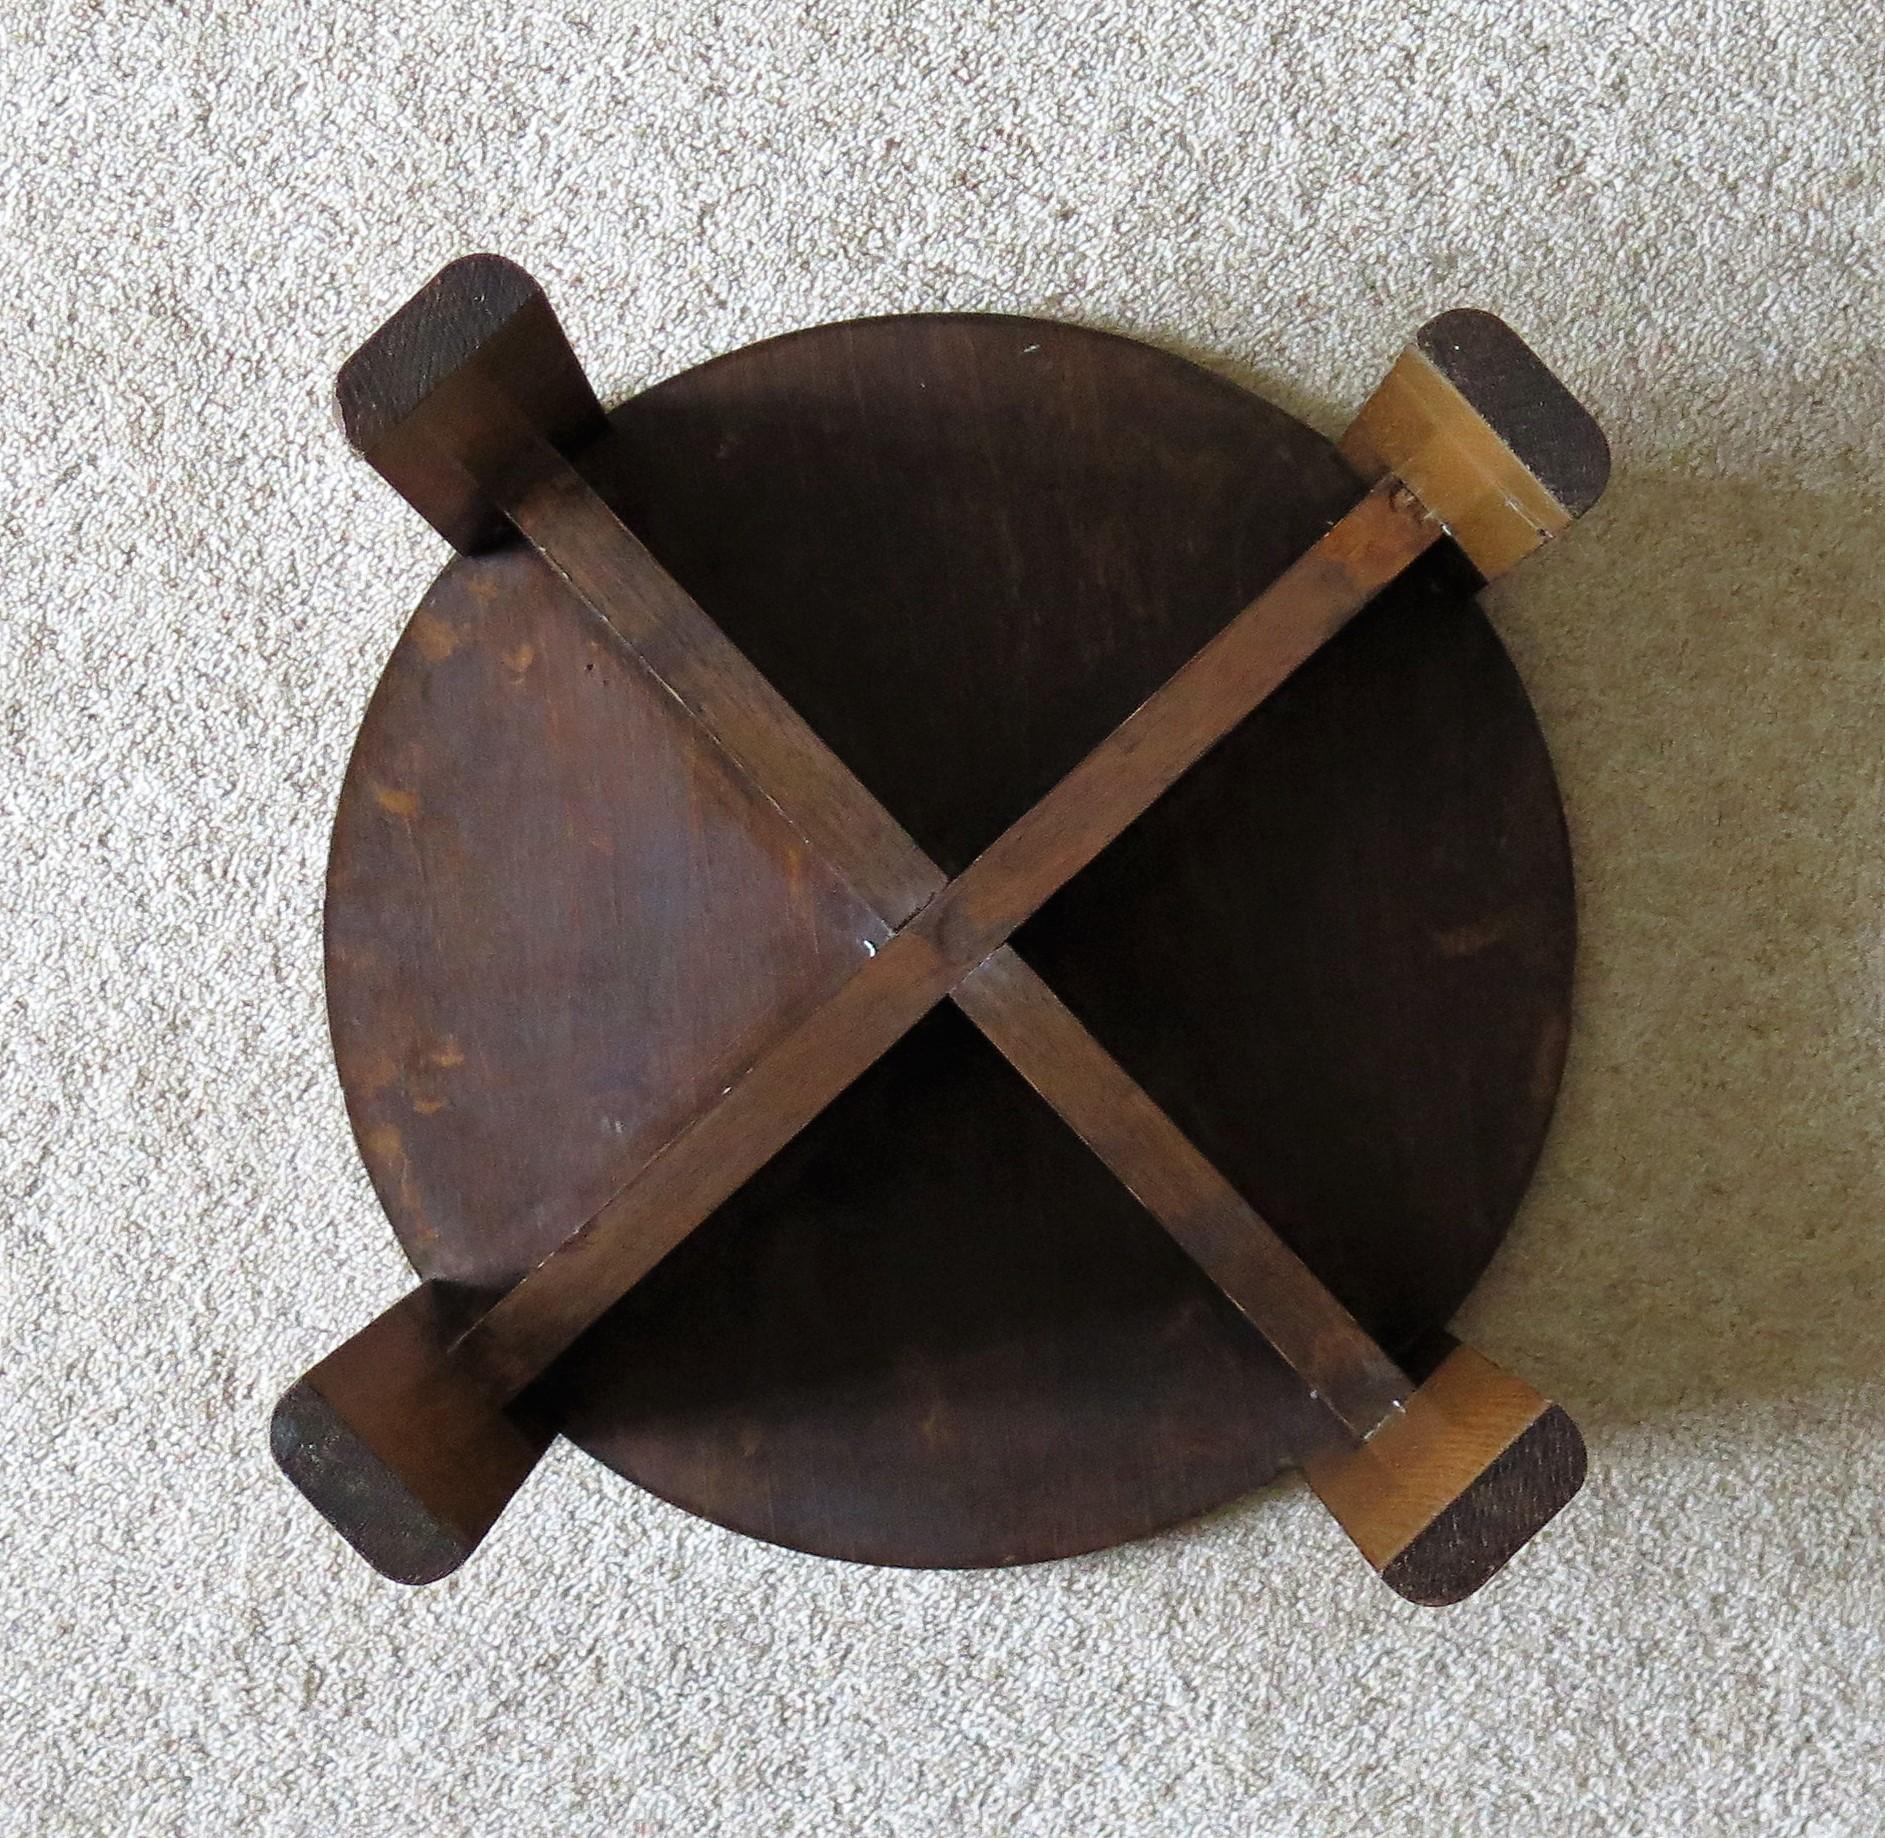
(613, 574)
(410, 1464)
(480, 330)
(834, 923)
(1490, 1520)
(944, 941)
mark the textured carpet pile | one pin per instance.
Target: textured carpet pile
(205, 205)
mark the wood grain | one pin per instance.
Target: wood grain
(612, 574)
(609, 571)
(1494, 444)
(1445, 1491)
(793, 1080)
(409, 1464)
(805, 491)
(1344, 1371)
(482, 333)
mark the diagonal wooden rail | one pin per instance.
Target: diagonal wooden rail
(476, 441)
(950, 938)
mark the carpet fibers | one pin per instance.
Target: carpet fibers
(205, 205)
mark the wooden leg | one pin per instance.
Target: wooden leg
(399, 1446)
(1447, 1490)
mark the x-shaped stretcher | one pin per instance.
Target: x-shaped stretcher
(412, 1436)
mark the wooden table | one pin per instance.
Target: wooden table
(935, 1330)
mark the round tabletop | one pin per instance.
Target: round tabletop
(935, 1330)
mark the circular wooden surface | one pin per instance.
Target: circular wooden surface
(935, 1330)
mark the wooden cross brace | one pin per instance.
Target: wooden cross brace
(412, 1436)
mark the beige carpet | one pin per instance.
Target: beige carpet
(205, 205)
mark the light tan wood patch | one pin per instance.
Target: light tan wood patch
(1418, 426)
(1389, 1490)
